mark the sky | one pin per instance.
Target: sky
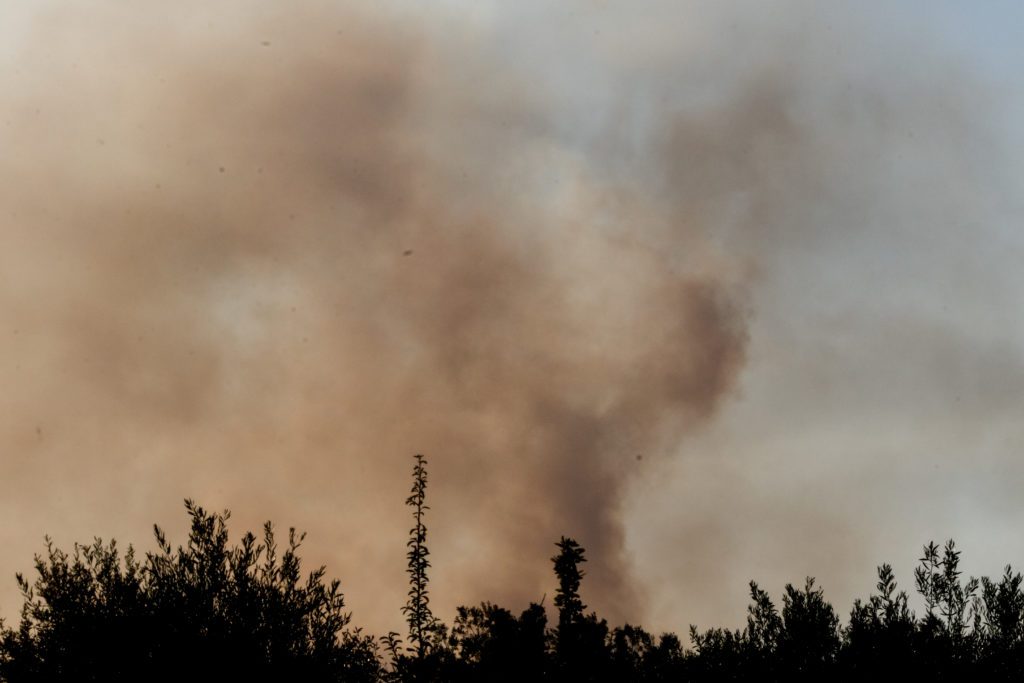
(725, 291)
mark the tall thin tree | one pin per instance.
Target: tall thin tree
(417, 609)
(567, 597)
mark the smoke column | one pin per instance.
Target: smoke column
(259, 255)
(261, 259)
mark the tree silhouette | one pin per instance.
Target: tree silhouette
(1000, 625)
(579, 639)
(946, 600)
(234, 612)
(879, 640)
(809, 640)
(430, 655)
(209, 610)
(567, 597)
(493, 645)
(422, 624)
(944, 644)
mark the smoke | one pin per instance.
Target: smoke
(262, 258)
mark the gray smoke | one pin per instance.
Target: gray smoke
(260, 255)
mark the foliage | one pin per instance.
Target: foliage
(243, 611)
(211, 611)
(809, 639)
(422, 623)
(879, 639)
(580, 639)
(492, 644)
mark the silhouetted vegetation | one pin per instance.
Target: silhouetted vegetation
(417, 610)
(203, 611)
(211, 611)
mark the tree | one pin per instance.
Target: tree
(580, 648)
(493, 645)
(938, 581)
(567, 570)
(764, 627)
(1000, 626)
(879, 640)
(944, 644)
(430, 655)
(422, 623)
(719, 655)
(809, 640)
(205, 611)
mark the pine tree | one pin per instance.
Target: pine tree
(567, 597)
(580, 640)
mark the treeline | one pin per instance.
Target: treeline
(209, 611)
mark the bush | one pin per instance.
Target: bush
(204, 611)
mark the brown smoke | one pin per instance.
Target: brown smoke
(261, 258)
(260, 255)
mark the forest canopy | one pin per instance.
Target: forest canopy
(210, 610)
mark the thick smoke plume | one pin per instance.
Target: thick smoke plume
(260, 254)
(261, 258)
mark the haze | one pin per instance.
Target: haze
(725, 291)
